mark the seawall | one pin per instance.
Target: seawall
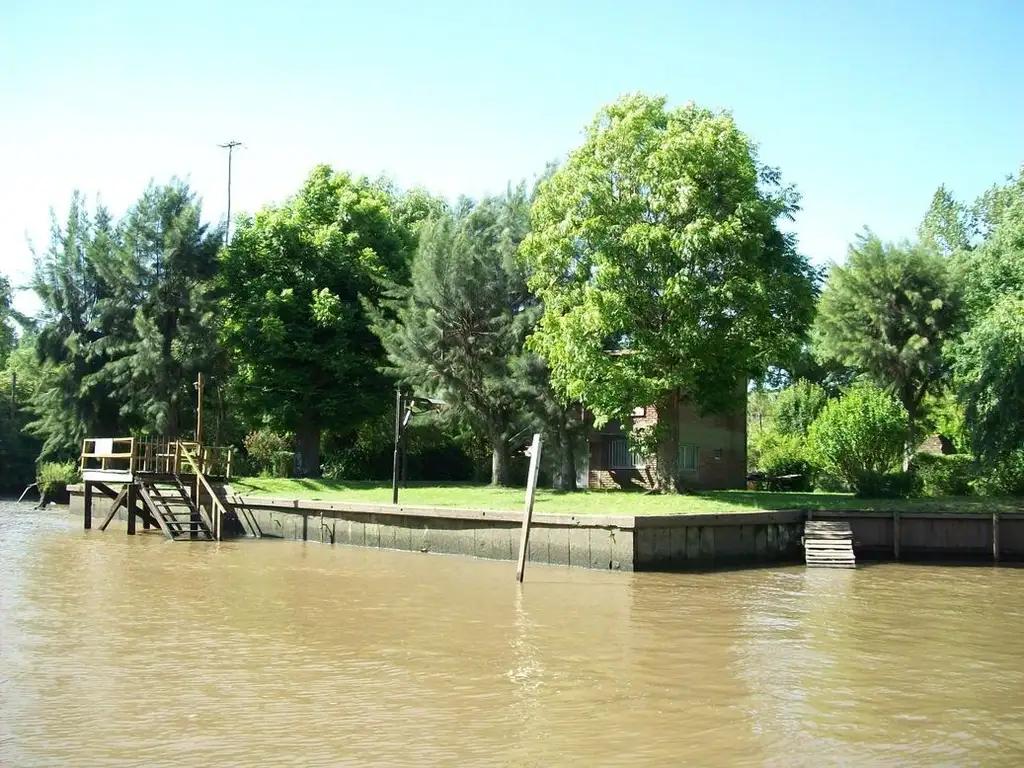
(607, 542)
(619, 542)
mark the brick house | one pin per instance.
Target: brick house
(712, 451)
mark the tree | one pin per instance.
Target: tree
(990, 378)
(797, 406)
(458, 330)
(860, 437)
(887, 312)
(659, 236)
(18, 374)
(8, 318)
(948, 226)
(159, 319)
(291, 281)
(69, 402)
(988, 360)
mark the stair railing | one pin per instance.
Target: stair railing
(188, 459)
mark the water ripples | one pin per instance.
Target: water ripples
(129, 651)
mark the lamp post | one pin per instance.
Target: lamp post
(230, 147)
(405, 408)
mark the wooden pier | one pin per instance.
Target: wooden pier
(828, 544)
(171, 485)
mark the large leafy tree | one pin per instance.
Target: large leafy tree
(887, 312)
(291, 281)
(457, 331)
(989, 358)
(660, 234)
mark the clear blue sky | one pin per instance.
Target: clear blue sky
(867, 106)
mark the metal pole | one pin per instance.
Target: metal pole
(230, 147)
(398, 437)
(199, 410)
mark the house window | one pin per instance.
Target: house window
(620, 457)
(688, 458)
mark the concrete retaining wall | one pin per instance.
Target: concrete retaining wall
(615, 542)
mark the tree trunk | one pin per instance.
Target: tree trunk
(667, 473)
(307, 447)
(908, 451)
(566, 459)
(499, 460)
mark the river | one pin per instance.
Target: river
(118, 650)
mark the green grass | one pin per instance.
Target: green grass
(603, 502)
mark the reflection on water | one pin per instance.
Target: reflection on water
(136, 651)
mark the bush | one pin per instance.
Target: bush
(944, 475)
(888, 485)
(784, 454)
(1004, 477)
(798, 405)
(271, 451)
(53, 479)
(860, 439)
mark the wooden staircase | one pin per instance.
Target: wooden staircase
(828, 544)
(172, 508)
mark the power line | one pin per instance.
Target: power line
(230, 147)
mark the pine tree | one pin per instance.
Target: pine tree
(160, 318)
(457, 331)
(69, 403)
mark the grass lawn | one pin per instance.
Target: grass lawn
(601, 502)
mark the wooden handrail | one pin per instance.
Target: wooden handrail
(218, 506)
(104, 457)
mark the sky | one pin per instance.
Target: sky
(867, 107)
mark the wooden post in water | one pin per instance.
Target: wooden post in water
(87, 504)
(531, 494)
(132, 509)
(995, 537)
(896, 535)
(131, 504)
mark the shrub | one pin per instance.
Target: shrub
(271, 451)
(1004, 477)
(784, 454)
(888, 485)
(860, 438)
(53, 479)
(944, 475)
(798, 405)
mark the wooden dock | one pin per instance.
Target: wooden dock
(828, 544)
(172, 485)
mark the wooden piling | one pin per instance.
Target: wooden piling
(995, 537)
(87, 503)
(531, 494)
(132, 506)
(131, 509)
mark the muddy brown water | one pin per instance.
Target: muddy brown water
(134, 651)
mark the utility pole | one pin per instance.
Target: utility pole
(199, 409)
(230, 147)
